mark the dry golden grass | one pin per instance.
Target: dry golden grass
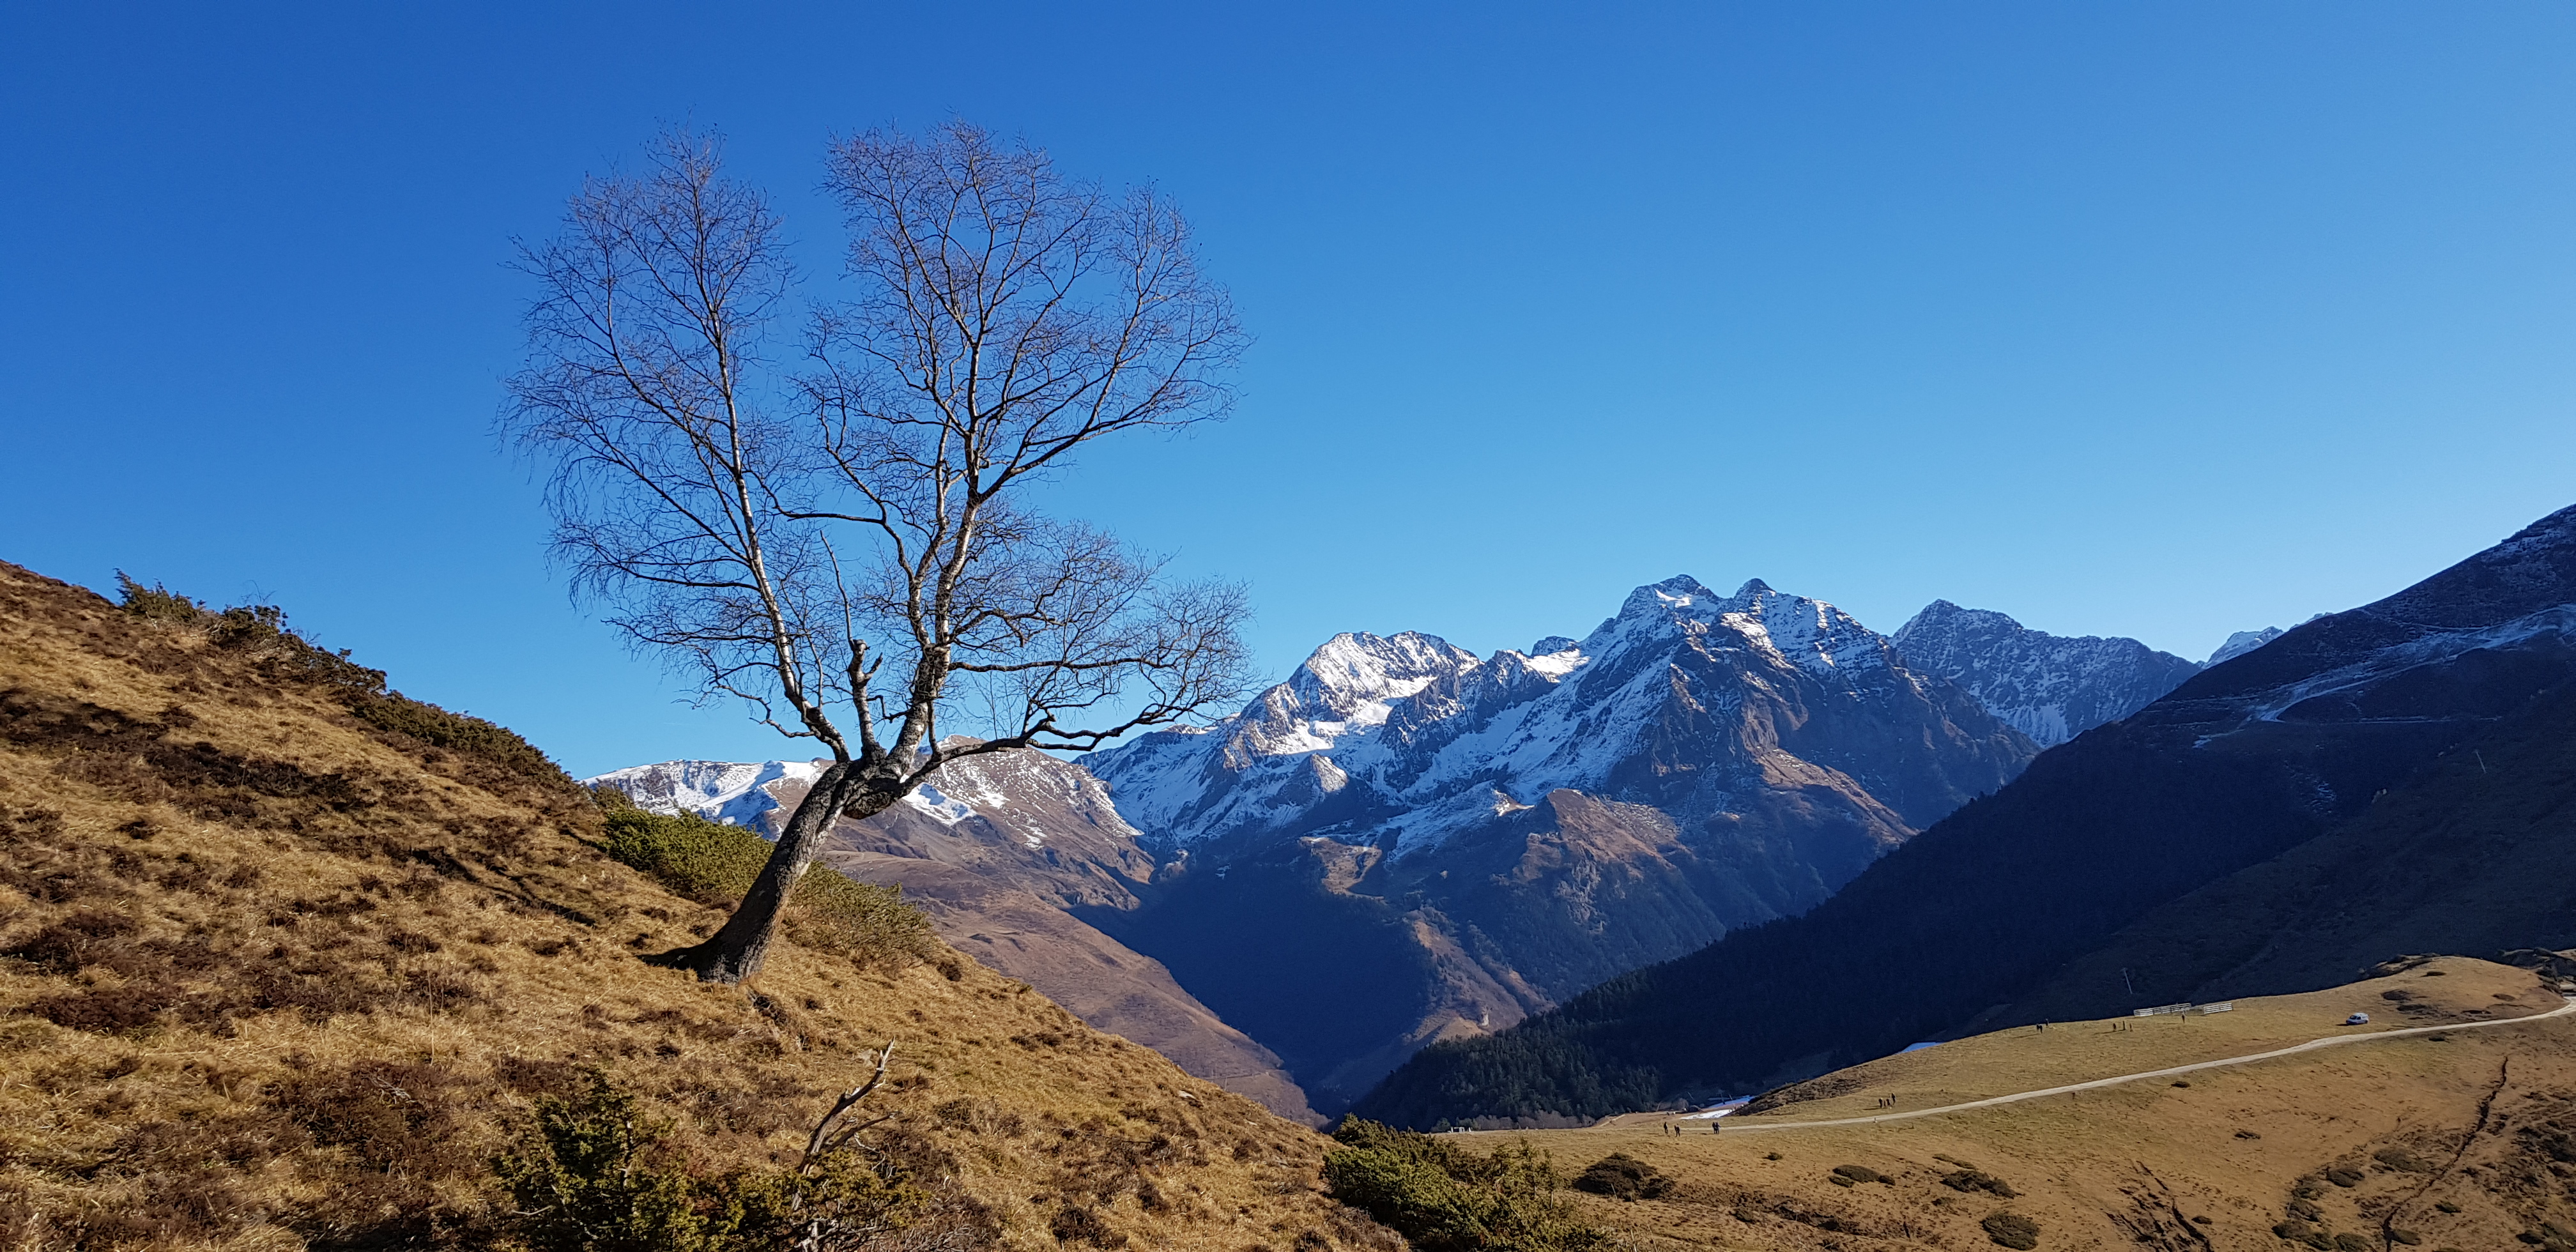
(2482, 1120)
(279, 978)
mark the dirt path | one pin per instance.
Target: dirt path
(2311, 1045)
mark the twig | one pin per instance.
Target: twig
(823, 1139)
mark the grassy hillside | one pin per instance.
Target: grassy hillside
(2458, 1142)
(288, 961)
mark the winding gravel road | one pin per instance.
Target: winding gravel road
(1756, 1128)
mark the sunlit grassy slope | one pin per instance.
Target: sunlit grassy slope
(2369, 1141)
(278, 977)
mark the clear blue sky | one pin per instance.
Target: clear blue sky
(2152, 319)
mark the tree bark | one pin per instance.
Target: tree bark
(735, 953)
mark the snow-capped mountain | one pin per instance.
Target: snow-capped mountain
(734, 792)
(2049, 687)
(1485, 837)
(1404, 741)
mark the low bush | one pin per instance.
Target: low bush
(157, 603)
(2013, 1231)
(1623, 1177)
(261, 630)
(2296, 1231)
(455, 732)
(1861, 1173)
(2344, 1177)
(715, 864)
(1445, 1197)
(1978, 1180)
(596, 1173)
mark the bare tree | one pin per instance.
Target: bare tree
(782, 531)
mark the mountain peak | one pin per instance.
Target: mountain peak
(1356, 671)
(1752, 587)
(1947, 617)
(2050, 687)
(2242, 642)
(1654, 600)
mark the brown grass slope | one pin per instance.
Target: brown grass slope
(278, 975)
(2465, 1141)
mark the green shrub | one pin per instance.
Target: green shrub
(594, 1173)
(2013, 1231)
(867, 921)
(156, 603)
(1446, 1198)
(715, 864)
(259, 629)
(455, 732)
(1623, 1177)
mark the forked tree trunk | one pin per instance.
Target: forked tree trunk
(734, 953)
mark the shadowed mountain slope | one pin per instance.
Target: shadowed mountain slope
(2240, 764)
(2476, 855)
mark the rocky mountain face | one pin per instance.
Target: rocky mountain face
(1404, 843)
(2281, 754)
(998, 851)
(2049, 687)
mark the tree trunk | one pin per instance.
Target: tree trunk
(734, 953)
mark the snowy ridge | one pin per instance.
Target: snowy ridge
(2242, 642)
(1418, 739)
(2049, 687)
(1017, 791)
(733, 792)
(2556, 624)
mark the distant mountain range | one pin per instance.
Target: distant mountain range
(1404, 842)
(2272, 824)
